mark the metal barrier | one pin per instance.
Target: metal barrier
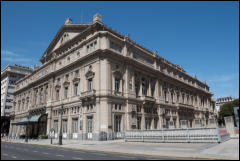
(208, 134)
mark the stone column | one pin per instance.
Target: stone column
(143, 126)
(140, 90)
(149, 88)
(49, 119)
(69, 126)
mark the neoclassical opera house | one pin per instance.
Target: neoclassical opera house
(107, 83)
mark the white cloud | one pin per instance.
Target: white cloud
(17, 59)
(223, 78)
(8, 53)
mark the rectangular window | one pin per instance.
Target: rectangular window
(81, 124)
(55, 126)
(67, 77)
(148, 123)
(115, 46)
(75, 125)
(139, 123)
(57, 94)
(76, 89)
(66, 92)
(117, 84)
(90, 84)
(77, 73)
(64, 126)
(117, 123)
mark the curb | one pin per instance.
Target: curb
(137, 154)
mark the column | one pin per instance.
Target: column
(143, 126)
(69, 126)
(156, 91)
(49, 119)
(140, 90)
(149, 93)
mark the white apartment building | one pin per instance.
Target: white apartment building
(9, 76)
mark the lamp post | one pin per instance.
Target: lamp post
(61, 111)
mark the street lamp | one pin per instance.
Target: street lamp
(61, 111)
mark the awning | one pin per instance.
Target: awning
(34, 118)
(25, 121)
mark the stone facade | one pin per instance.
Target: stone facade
(108, 84)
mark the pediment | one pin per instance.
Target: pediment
(65, 33)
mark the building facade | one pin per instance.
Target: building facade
(9, 76)
(107, 83)
(221, 101)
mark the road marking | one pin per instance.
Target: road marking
(126, 157)
(60, 155)
(35, 151)
(14, 157)
(100, 154)
(45, 153)
(77, 158)
(79, 152)
(5, 154)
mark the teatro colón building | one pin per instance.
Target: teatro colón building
(107, 84)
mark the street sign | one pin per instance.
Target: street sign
(52, 133)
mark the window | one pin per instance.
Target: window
(77, 73)
(115, 46)
(76, 89)
(138, 109)
(90, 84)
(91, 47)
(57, 94)
(144, 89)
(117, 123)
(66, 92)
(78, 53)
(139, 123)
(148, 123)
(55, 126)
(75, 125)
(67, 77)
(64, 126)
(136, 89)
(81, 124)
(115, 106)
(117, 84)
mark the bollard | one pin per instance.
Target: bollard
(51, 140)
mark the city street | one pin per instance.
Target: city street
(13, 151)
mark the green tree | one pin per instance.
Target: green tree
(227, 110)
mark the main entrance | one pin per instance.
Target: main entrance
(89, 127)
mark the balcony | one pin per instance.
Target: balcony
(147, 99)
(88, 94)
(117, 93)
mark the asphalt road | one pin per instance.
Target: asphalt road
(13, 151)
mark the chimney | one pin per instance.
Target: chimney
(97, 18)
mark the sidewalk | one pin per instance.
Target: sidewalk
(226, 150)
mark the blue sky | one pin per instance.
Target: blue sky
(203, 37)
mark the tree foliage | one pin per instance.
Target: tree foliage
(227, 110)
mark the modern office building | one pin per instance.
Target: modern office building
(9, 76)
(107, 83)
